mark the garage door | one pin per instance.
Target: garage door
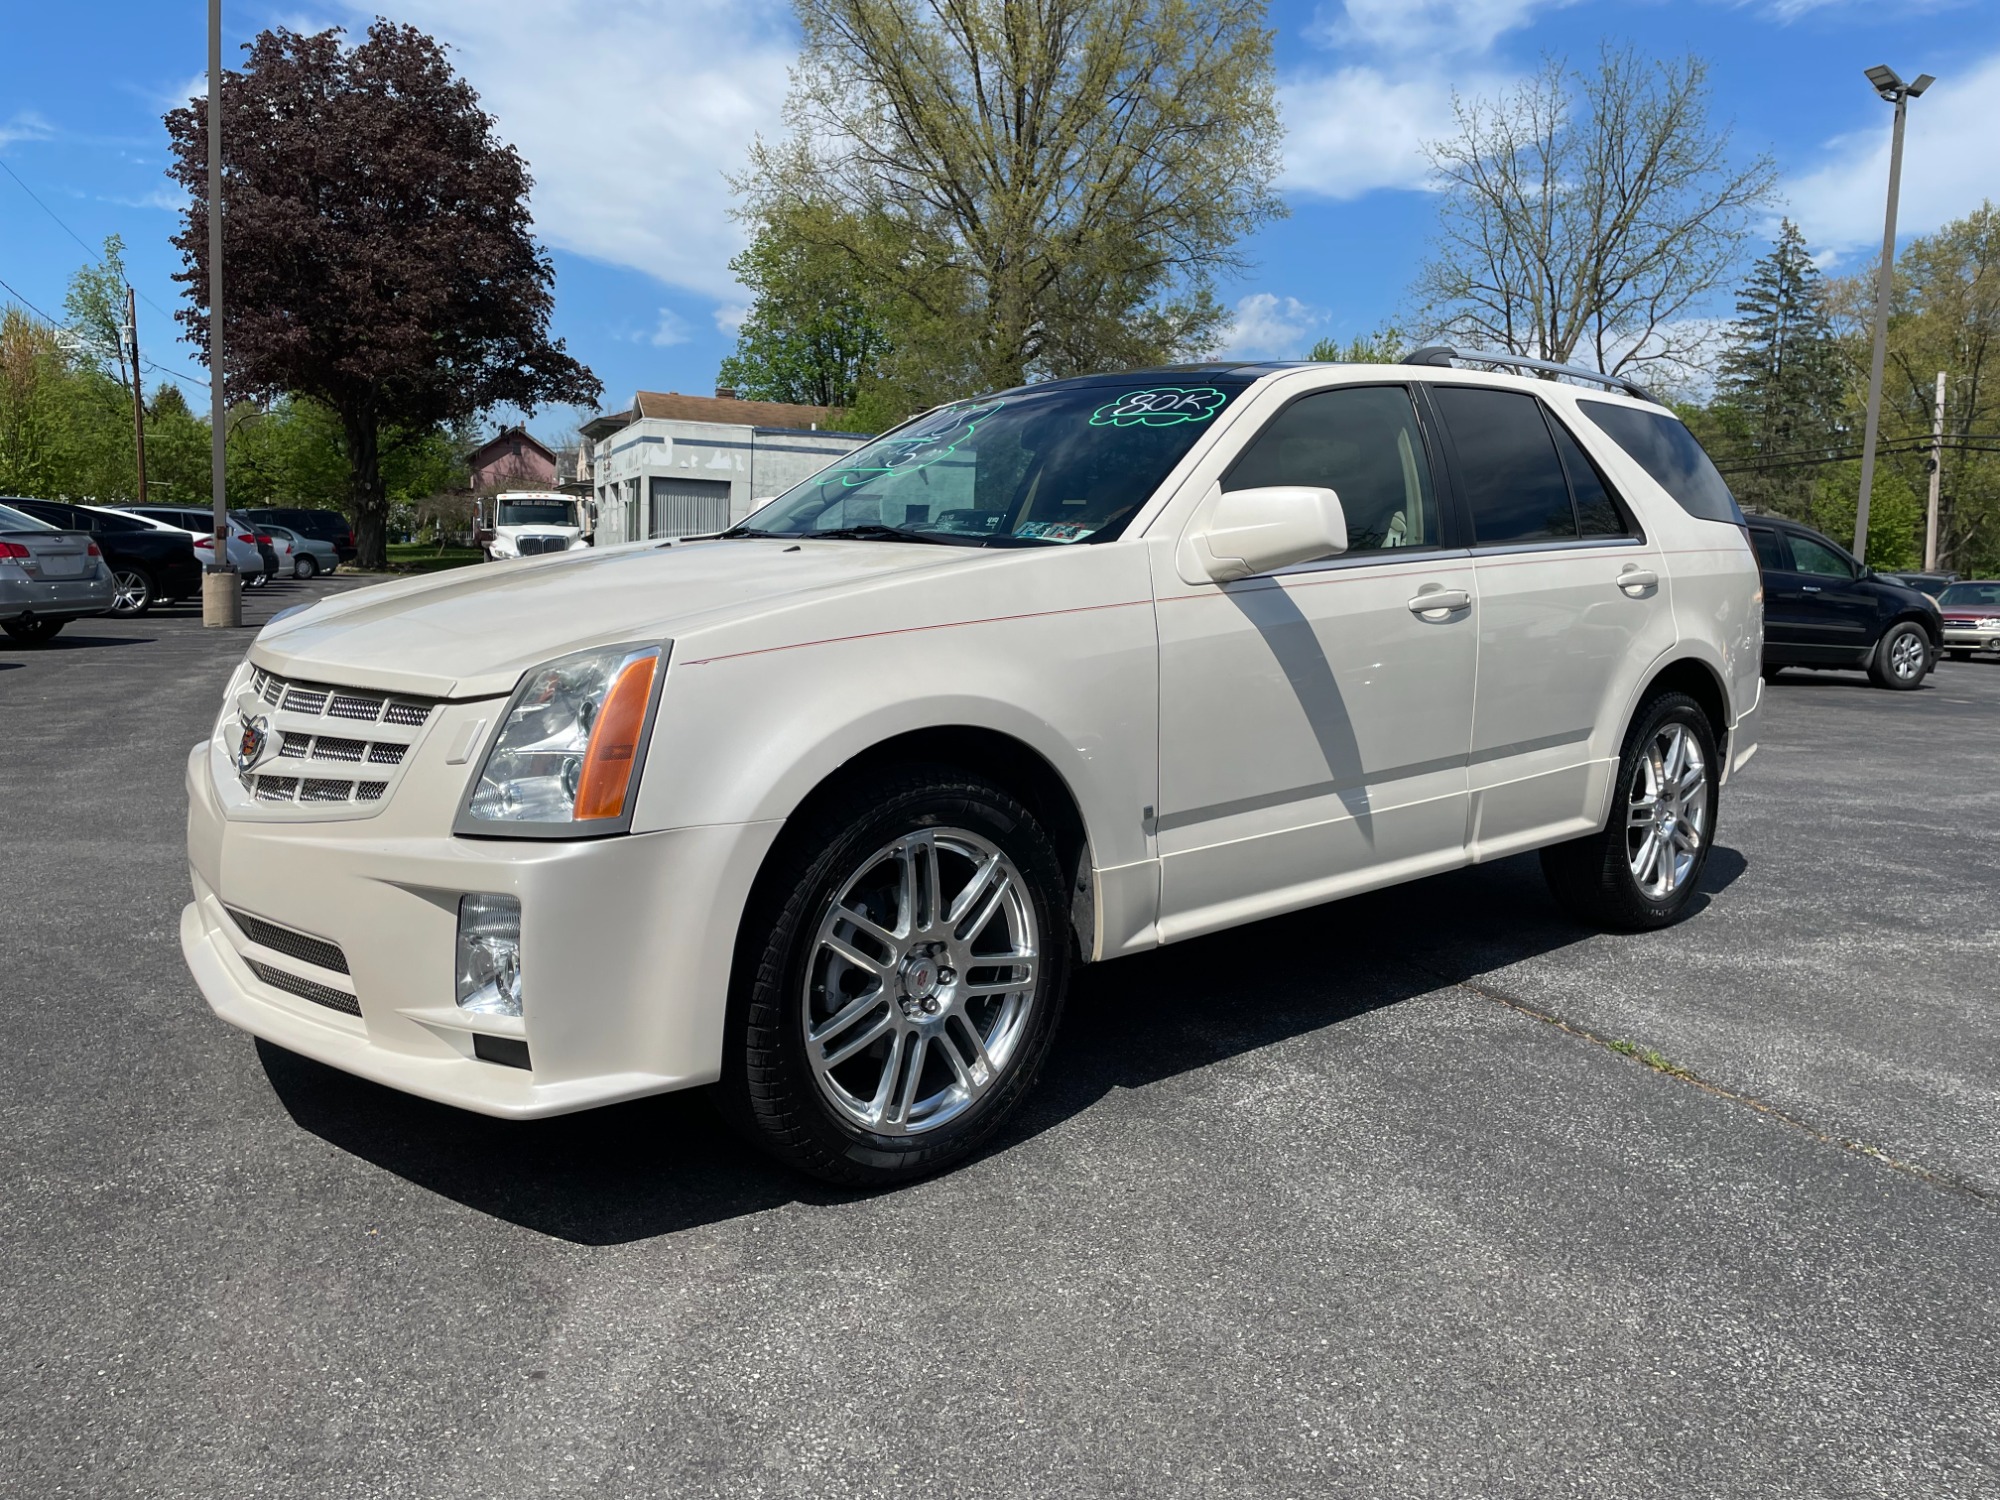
(688, 507)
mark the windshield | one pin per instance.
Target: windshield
(1025, 469)
(1971, 593)
(537, 513)
(14, 520)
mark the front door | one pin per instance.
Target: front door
(1574, 610)
(1814, 608)
(1314, 722)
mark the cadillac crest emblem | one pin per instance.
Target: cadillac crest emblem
(250, 749)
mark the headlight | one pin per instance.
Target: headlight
(1992, 624)
(565, 762)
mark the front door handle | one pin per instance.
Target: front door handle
(1633, 580)
(1809, 588)
(1437, 601)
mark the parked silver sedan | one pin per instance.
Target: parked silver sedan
(48, 577)
(309, 555)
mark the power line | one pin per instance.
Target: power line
(96, 254)
(157, 369)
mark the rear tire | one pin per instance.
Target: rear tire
(1902, 657)
(1641, 870)
(135, 593)
(305, 567)
(34, 632)
(940, 894)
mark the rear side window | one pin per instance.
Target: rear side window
(1661, 445)
(1362, 443)
(1597, 514)
(1770, 549)
(110, 521)
(1507, 465)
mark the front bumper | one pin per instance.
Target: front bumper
(626, 943)
(1958, 638)
(53, 598)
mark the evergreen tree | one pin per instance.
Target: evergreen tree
(1781, 388)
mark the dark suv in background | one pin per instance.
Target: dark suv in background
(1824, 609)
(325, 525)
(151, 566)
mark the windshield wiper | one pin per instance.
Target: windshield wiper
(873, 531)
(751, 531)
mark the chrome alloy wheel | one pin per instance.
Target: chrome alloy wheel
(921, 979)
(1906, 655)
(1667, 818)
(131, 594)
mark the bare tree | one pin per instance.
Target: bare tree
(1589, 211)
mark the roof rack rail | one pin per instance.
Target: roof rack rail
(1444, 354)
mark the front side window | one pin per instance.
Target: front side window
(1361, 442)
(1818, 559)
(1027, 468)
(1508, 466)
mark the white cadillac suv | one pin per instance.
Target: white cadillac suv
(824, 810)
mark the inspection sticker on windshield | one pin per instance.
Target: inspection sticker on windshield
(1053, 531)
(1160, 406)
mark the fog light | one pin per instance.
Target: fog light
(489, 955)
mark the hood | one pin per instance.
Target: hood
(473, 631)
(1971, 611)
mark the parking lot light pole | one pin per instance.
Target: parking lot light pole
(1937, 479)
(1892, 88)
(221, 592)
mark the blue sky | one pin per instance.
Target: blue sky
(630, 114)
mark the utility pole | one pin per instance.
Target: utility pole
(138, 390)
(221, 592)
(1937, 480)
(1892, 88)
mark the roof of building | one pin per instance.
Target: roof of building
(672, 406)
(506, 434)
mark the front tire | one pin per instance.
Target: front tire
(1902, 657)
(1640, 871)
(899, 978)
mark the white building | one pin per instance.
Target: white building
(679, 465)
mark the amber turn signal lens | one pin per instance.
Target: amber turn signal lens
(614, 741)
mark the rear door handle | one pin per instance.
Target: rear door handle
(1437, 601)
(1638, 578)
(1809, 588)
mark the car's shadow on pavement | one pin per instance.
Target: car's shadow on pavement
(651, 1167)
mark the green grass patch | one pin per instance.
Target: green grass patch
(425, 557)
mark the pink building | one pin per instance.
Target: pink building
(512, 459)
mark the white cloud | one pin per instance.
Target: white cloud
(729, 317)
(1354, 130)
(24, 125)
(628, 116)
(1428, 27)
(670, 330)
(1949, 167)
(1267, 326)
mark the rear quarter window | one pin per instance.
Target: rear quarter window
(1661, 445)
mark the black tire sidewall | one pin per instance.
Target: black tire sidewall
(305, 567)
(1884, 674)
(788, 1113)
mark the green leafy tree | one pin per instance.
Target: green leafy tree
(34, 376)
(381, 260)
(1781, 391)
(810, 336)
(1382, 347)
(95, 305)
(1037, 187)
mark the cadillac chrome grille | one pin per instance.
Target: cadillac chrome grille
(336, 746)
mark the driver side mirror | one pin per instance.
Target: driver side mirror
(1241, 533)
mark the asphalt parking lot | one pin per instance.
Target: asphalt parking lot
(1375, 1200)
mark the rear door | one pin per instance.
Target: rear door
(1573, 604)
